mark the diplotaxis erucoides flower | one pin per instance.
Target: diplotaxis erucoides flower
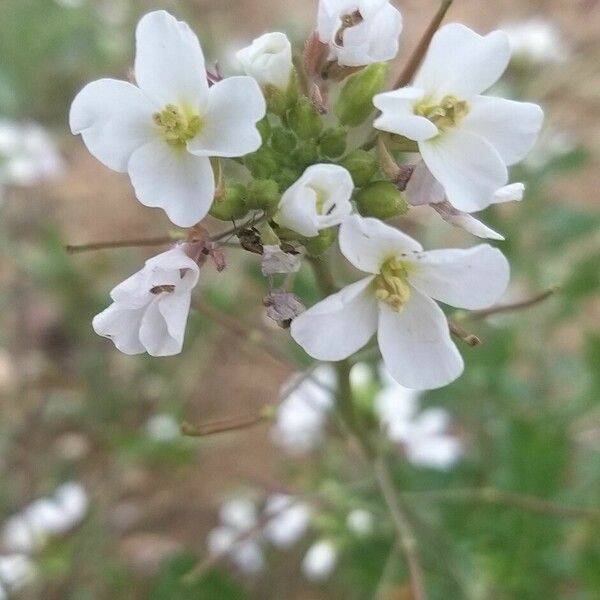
(396, 300)
(163, 131)
(467, 140)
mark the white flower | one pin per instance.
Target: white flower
(239, 514)
(423, 189)
(163, 132)
(16, 572)
(395, 406)
(150, 309)
(163, 428)
(289, 522)
(361, 522)
(72, 498)
(318, 200)
(359, 32)
(537, 41)
(467, 140)
(396, 301)
(302, 415)
(269, 60)
(320, 561)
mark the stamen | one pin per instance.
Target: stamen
(176, 126)
(166, 288)
(391, 285)
(445, 115)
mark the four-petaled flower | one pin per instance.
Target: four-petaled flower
(467, 140)
(163, 132)
(150, 309)
(396, 300)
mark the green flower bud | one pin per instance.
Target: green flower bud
(355, 102)
(305, 121)
(333, 141)
(305, 155)
(232, 205)
(277, 100)
(264, 128)
(316, 246)
(262, 163)
(362, 166)
(262, 194)
(286, 177)
(382, 200)
(283, 140)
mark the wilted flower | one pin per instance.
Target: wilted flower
(466, 140)
(396, 301)
(163, 132)
(320, 561)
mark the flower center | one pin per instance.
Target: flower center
(447, 114)
(177, 126)
(391, 285)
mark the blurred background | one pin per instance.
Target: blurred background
(96, 434)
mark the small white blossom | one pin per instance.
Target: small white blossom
(16, 572)
(269, 60)
(289, 522)
(318, 200)
(163, 428)
(537, 41)
(466, 139)
(320, 561)
(359, 32)
(361, 522)
(164, 132)
(150, 309)
(396, 300)
(239, 513)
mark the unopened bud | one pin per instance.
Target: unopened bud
(286, 177)
(333, 142)
(318, 245)
(231, 205)
(305, 155)
(381, 200)
(355, 102)
(277, 99)
(264, 128)
(262, 163)
(362, 166)
(305, 121)
(283, 140)
(262, 194)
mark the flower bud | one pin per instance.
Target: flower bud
(232, 205)
(283, 140)
(277, 100)
(262, 163)
(264, 128)
(262, 194)
(286, 177)
(318, 245)
(355, 102)
(305, 121)
(333, 142)
(381, 200)
(362, 166)
(305, 155)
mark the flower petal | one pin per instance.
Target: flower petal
(154, 333)
(473, 278)
(181, 184)
(235, 105)
(121, 325)
(462, 62)
(423, 188)
(169, 63)
(340, 324)
(398, 114)
(368, 242)
(469, 168)
(114, 118)
(415, 344)
(509, 193)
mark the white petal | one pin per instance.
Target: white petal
(114, 118)
(235, 105)
(509, 193)
(398, 114)
(340, 324)
(268, 59)
(462, 62)
(121, 325)
(439, 452)
(181, 184)
(368, 242)
(469, 168)
(154, 332)
(473, 278)
(472, 225)
(423, 188)
(415, 344)
(511, 127)
(169, 63)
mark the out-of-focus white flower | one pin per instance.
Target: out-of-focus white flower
(28, 154)
(289, 522)
(269, 60)
(537, 41)
(239, 513)
(164, 132)
(163, 428)
(16, 572)
(466, 139)
(19, 536)
(72, 498)
(359, 32)
(320, 561)
(150, 309)
(396, 300)
(318, 200)
(360, 522)
(553, 144)
(301, 416)
(360, 375)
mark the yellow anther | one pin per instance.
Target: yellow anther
(177, 126)
(391, 285)
(447, 114)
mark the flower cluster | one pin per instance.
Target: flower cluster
(306, 181)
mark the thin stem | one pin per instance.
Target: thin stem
(503, 308)
(133, 243)
(464, 335)
(224, 425)
(419, 52)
